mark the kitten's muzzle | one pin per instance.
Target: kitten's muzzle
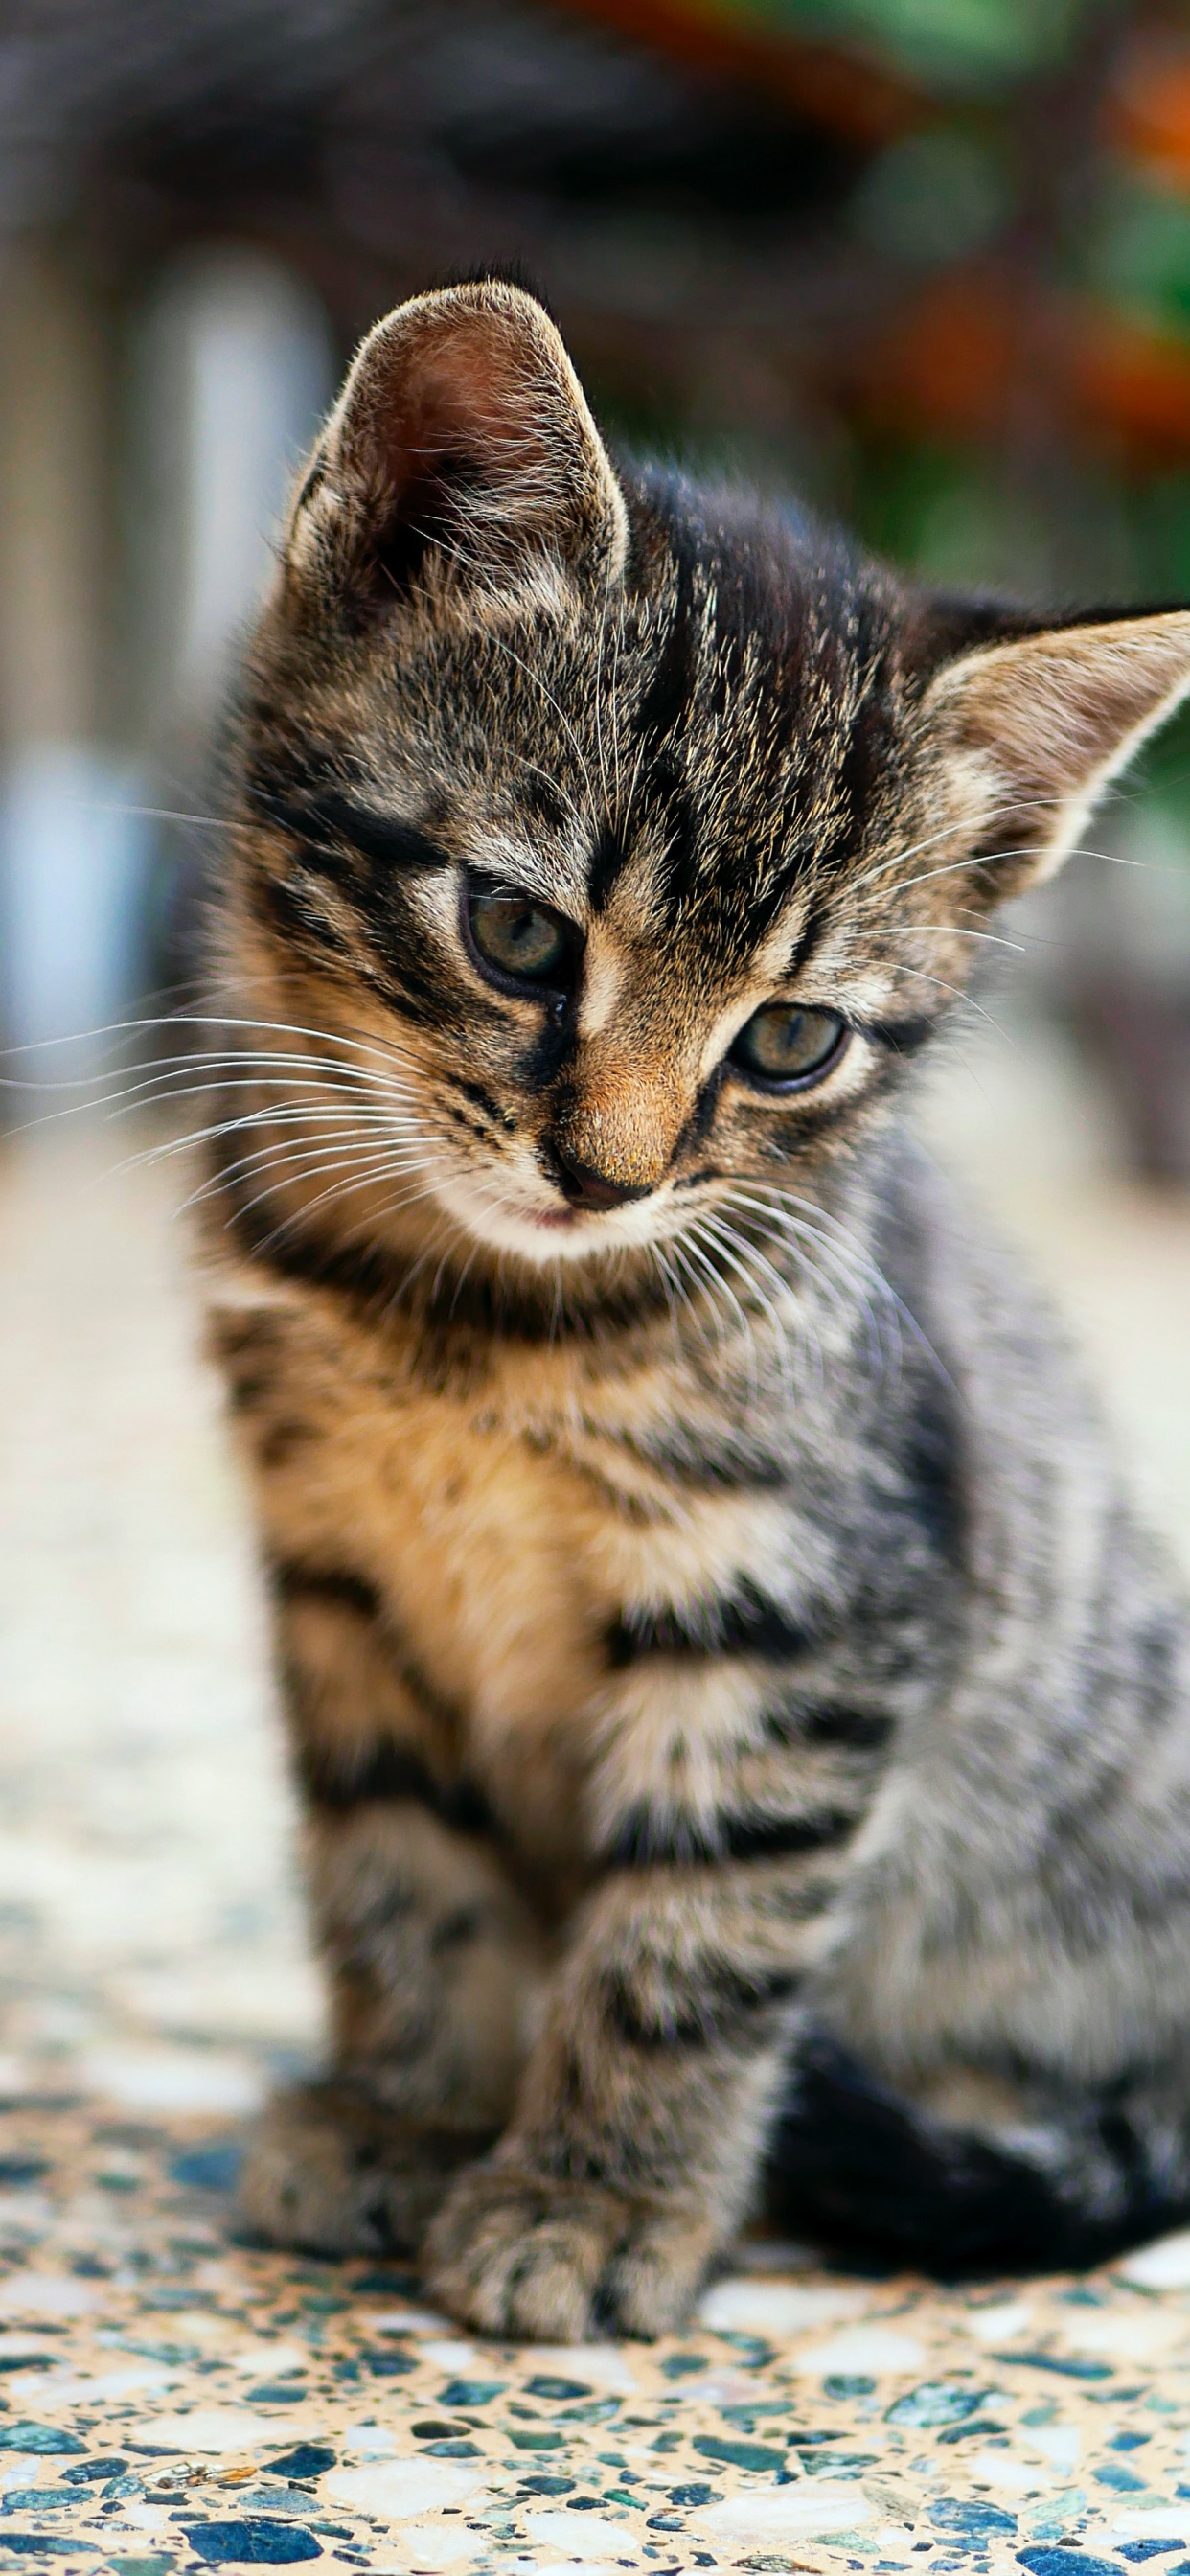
(585, 1187)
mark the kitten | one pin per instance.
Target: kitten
(745, 1737)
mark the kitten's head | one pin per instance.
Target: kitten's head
(628, 837)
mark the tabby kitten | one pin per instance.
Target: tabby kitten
(745, 1737)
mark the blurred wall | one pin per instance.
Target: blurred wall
(146, 451)
(71, 861)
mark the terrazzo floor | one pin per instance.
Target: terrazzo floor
(172, 2399)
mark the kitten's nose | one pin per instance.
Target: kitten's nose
(585, 1187)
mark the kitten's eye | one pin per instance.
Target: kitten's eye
(786, 1046)
(521, 939)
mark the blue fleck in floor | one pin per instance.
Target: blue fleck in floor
(172, 2400)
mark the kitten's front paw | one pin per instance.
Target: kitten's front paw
(517, 2254)
(334, 2173)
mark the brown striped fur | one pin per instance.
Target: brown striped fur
(746, 1742)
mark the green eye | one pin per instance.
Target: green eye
(785, 1045)
(521, 940)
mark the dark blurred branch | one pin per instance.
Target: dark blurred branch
(848, 92)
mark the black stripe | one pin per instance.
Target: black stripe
(814, 927)
(417, 988)
(740, 1624)
(674, 871)
(604, 866)
(281, 1440)
(813, 1117)
(368, 858)
(930, 1436)
(665, 704)
(729, 1469)
(785, 1837)
(341, 1588)
(934, 1462)
(287, 906)
(661, 720)
(246, 1391)
(382, 839)
(337, 1585)
(856, 1730)
(1157, 1647)
(386, 1774)
(902, 1037)
(646, 1841)
(480, 1099)
(728, 2000)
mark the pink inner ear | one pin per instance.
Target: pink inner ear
(467, 404)
(463, 431)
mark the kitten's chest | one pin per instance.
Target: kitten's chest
(514, 1535)
(497, 1559)
(490, 1554)
(521, 1568)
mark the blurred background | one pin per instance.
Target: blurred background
(926, 260)
(929, 260)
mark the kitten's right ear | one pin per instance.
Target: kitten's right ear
(461, 444)
(1025, 734)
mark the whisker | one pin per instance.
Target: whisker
(838, 1288)
(698, 1252)
(339, 1189)
(269, 1073)
(155, 814)
(294, 1150)
(946, 930)
(895, 1304)
(1008, 803)
(305, 1165)
(617, 642)
(695, 1295)
(965, 1000)
(736, 1251)
(669, 1285)
(189, 1019)
(384, 1124)
(857, 1272)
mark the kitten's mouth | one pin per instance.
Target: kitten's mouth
(546, 1233)
(565, 1220)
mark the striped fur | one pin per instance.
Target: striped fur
(745, 1739)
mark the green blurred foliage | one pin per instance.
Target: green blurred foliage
(961, 44)
(1138, 251)
(934, 197)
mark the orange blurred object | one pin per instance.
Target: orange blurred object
(946, 365)
(1136, 383)
(977, 349)
(1150, 108)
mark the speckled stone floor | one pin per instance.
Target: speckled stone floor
(170, 2399)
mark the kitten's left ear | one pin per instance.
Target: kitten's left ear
(1028, 733)
(462, 441)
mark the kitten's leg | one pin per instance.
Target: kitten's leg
(434, 1962)
(331, 2172)
(640, 2131)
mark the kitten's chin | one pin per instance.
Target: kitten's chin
(551, 1234)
